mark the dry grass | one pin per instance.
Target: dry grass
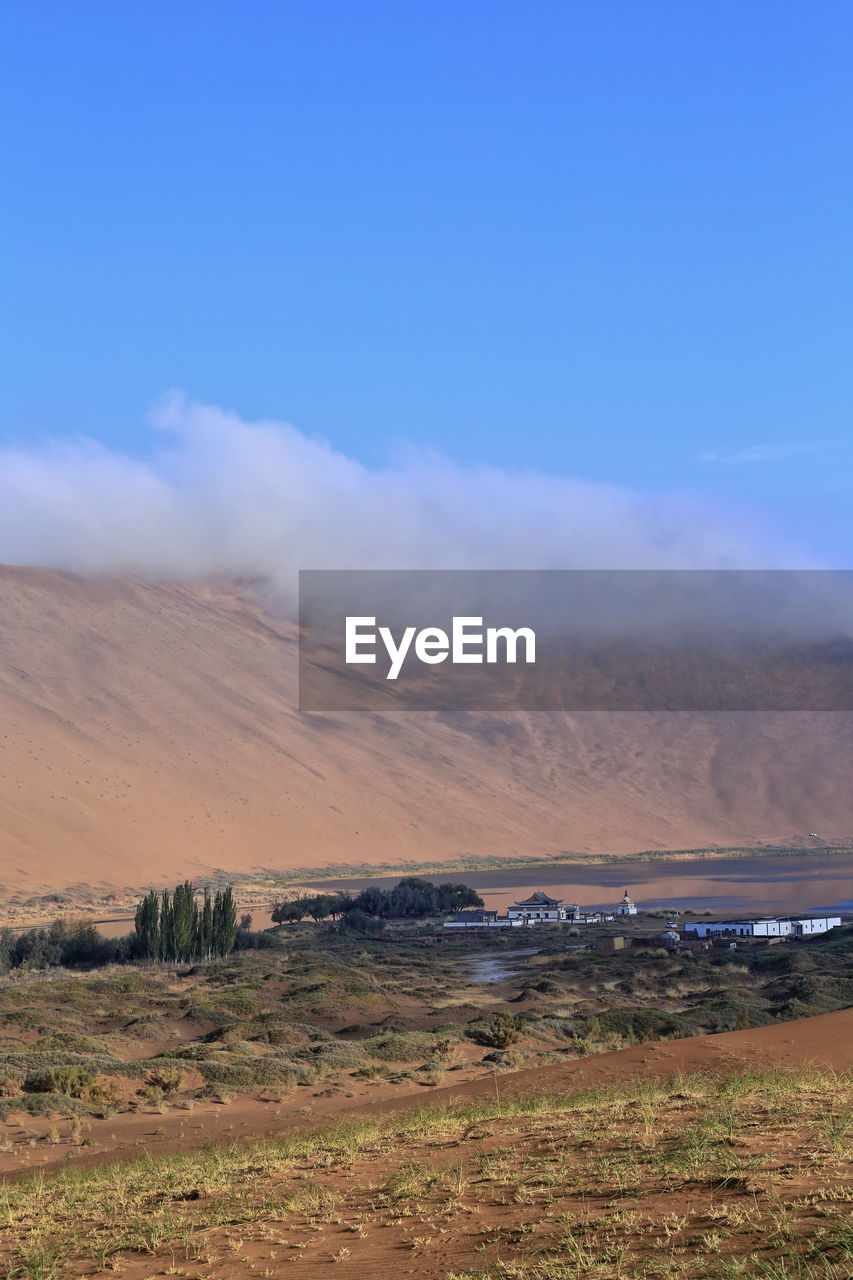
(734, 1179)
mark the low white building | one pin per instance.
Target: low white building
(476, 919)
(627, 907)
(769, 927)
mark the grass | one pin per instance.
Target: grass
(738, 1179)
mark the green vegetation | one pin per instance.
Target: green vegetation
(411, 899)
(174, 927)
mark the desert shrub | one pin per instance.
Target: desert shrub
(248, 1075)
(398, 1046)
(69, 1040)
(231, 1034)
(197, 1011)
(187, 1053)
(337, 1055)
(281, 1036)
(73, 1082)
(168, 1079)
(372, 1071)
(11, 1083)
(241, 1001)
(632, 1025)
(41, 1104)
(311, 1072)
(259, 940)
(27, 1019)
(505, 1059)
(142, 1024)
(502, 1030)
(729, 1013)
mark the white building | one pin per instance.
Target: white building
(770, 927)
(540, 909)
(477, 919)
(627, 907)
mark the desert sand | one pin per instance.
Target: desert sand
(824, 1041)
(149, 731)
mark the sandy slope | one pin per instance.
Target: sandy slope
(149, 731)
(824, 1041)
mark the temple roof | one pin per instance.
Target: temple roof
(539, 899)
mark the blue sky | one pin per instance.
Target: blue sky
(607, 240)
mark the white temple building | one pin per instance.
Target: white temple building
(627, 907)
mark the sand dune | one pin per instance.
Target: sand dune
(149, 731)
(824, 1041)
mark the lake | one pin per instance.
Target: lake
(772, 885)
(761, 886)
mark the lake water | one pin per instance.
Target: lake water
(761, 886)
(485, 966)
(771, 885)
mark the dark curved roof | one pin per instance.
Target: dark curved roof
(539, 899)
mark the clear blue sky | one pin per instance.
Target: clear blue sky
(612, 239)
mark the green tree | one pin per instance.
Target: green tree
(184, 922)
(289, 912)
(205, 928)
(147, 927)
(224, 922)
(167, 927)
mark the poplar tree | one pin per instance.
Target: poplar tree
(147, 925)
(167, 929)
(224, 922)
(205, 928)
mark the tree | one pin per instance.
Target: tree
(359, 922)
(184, 923)
(167, 927)
(147, 927)
(224, 922)
(205, 927)
(455, 897)
(288, 912)
(321, 906)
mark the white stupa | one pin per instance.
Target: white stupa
(627, 907)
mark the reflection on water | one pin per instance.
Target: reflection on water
(780, 885)
(777, 886)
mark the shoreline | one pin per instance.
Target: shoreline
(259, 890)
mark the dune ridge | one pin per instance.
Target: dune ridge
(149, 732)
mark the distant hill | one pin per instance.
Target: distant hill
(148, 731)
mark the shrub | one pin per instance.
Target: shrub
(73, 1082)
(339, 1055)
(168, 1079)
(502, 1030)
(397, 1046)
(11, 1083)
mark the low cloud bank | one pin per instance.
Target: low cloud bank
(223, 496)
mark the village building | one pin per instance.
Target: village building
(770, 927)
(627, 907)
(611, 943)
(539, 908)
(480, 919)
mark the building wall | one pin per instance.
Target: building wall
(803, 926)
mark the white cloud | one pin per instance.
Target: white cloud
(220, 495)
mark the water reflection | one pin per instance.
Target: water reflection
(780, 885)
